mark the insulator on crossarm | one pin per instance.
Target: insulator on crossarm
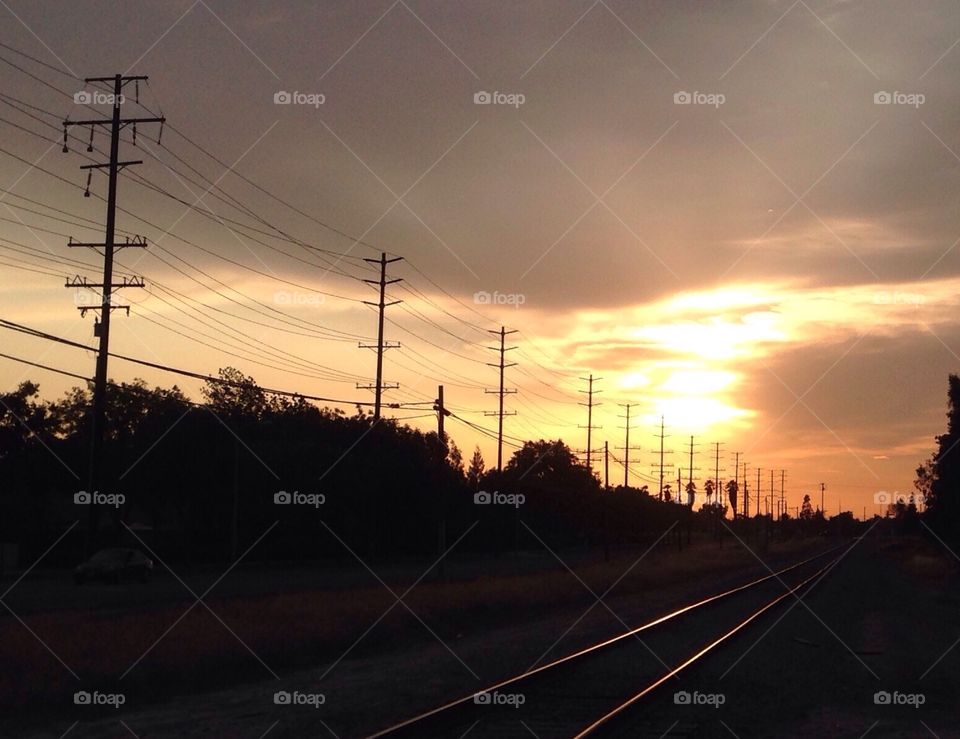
(134, 134)
(90, 144)
(86, 192)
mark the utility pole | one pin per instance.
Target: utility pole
(823, 511)
(759, 492)
(690, 467)
(783, 502)
(97, 469)
(736, 476)
(716, 471)
(770, 507)
(660, 467)
(502, 333)
(606, 465)
(746, 493)
(379, 387)
(442, 413)
(590, 391)
(626, 444)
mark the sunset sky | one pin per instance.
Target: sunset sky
(772, 265)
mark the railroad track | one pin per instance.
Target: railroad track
(594, 691)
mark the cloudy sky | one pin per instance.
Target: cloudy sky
(741, 215)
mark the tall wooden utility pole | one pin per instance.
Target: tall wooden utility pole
(759, 492)
(716, 471)
(590, 391)
(606, 465)
(746, 493)
(783, 476)
(661, 436)
(442, 413)
(97, 476)
(736, 477)
(380, 346)
(503, 334)
(626, 445)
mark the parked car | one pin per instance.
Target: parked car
(113, 565)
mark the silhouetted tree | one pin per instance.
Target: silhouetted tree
(938, 479)
(732, 490)
(806, 510)
(476, 468)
